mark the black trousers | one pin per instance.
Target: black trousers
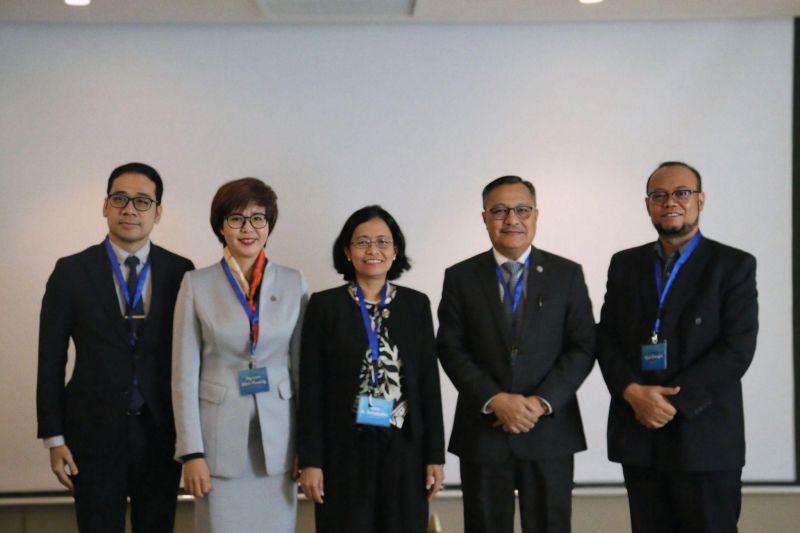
(140, 467)
(683, 502)
(545, 495)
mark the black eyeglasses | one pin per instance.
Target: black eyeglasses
(140, 203)
(236, 221)
(500, 212)
(681, 196)
(363, 244)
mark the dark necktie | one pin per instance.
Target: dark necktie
(136, 316)
(137, 311)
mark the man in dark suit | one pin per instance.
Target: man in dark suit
(677, 332)
(110, 430)
(516, 336)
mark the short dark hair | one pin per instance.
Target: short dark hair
(508, 180)
(137, 168)
(344, 267)
(236, 195)
(667, 164)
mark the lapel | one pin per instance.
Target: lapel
(688, 280)
(158, 277)
(486, 278)
(350, 320)
(267, 308)
(537, 270)
(645, 295)
(265, 292)
(101, 274)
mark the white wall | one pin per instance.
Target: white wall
(419, 119)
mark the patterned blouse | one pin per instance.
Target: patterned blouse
(390, 376)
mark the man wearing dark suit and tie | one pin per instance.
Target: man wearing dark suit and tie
(110, 430)
(516, 337)
(677, 332)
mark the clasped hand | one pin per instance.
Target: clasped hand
(651, 404)
(516, 413)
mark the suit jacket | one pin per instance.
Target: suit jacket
(555, 355)
(81, 302)
(211, 345)
(710, 321)
(333, 346)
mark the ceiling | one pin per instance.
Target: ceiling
(384, 11)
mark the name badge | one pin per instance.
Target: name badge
(654, 356)
(253, 381)
(374, 411)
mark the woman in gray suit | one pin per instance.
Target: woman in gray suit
(234, 363)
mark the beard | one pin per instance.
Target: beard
(675, 232)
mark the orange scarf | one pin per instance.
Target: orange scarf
(255, 284)
(249, 288)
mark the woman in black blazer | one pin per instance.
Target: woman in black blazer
(371, 438)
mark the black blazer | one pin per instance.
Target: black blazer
(80, 302)
(555, 355)
(332, 348)
(710, 321)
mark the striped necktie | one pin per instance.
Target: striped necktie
(512, 271)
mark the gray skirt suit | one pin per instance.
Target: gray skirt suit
(247, 440)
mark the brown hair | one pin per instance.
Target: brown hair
(238, 194)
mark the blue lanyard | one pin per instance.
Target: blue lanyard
(372, 334)
(518, 289)
(130, 302)
(663, 291)
(252, 317)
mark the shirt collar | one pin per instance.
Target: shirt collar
(142, 253)
(500, 258)
(391, 290)
(657, 248)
